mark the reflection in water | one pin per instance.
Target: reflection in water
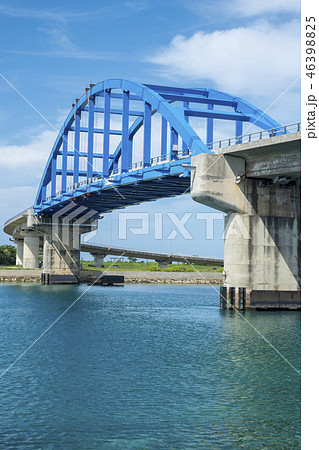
(145, 367)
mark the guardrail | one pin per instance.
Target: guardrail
(184, 153)
(256, 136)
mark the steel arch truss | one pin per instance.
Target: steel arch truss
(87, 167)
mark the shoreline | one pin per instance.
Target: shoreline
(131, 277)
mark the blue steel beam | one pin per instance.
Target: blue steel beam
(194, 99)
(174, 143)
(125, 132)
(238, 131)
(119, 96)
(106, 132)
(164, 137)
(64, 160)
(44, 195)
(81, 154)
(90, 138)
(210, 126)
(174, 90)
(116, 111)
(70, 172)
(214, 114)
(98, 131)
(147, 135)
(53, 176)
(185, 106)
(76, 163)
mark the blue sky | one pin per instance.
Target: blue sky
(52, 51)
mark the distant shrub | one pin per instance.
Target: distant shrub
(179, 268)
(7, 255)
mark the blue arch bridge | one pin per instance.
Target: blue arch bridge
(87, 161)
(124, 143)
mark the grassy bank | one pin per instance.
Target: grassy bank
(151, 267)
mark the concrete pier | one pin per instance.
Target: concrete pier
(31, 245)
(19, 254)
(261, 197)
(98, 259)
(61, 257)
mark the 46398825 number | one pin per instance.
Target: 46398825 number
(310, 47)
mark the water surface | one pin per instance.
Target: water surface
(145, 367)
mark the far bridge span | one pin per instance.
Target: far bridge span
(99, 252)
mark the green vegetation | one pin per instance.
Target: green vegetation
(150, 267)
(8, 258)
(7, 255)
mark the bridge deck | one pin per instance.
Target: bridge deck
(266, 158)
(116, 197)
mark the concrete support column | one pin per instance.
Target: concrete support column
(47, 257)
(98, 259)
(19, 254)
(162, 264)
(262, 230)
(31, 252)
(262, 254)
(30, 218)
(61, 257)
(61, 251)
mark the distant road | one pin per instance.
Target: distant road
(159, 257)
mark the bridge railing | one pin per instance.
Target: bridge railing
(178, 154)
(263, 134)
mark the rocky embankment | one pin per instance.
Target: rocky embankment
(20, 276)
(34, 276)
(159, 277)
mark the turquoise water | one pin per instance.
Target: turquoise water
(145, 367)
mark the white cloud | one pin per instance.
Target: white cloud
(209, 9)
(56, 32)
(46, 14)
(79, 54)
(59, 38)
(24, 164)
(248, 8)
(262, 58)
(137, 5)
(21, 168)
(14, 199)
